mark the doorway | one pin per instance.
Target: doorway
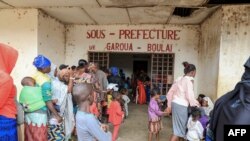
(140, 65)
(159, 67)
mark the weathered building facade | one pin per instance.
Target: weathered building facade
(218, 44)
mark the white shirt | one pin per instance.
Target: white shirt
(195, 130)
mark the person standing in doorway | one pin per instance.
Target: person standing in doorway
(8, 110)
(180, 96)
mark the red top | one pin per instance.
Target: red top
(8, 57)
(115, 113)
(94, 110)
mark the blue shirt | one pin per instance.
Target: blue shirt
(89, 128)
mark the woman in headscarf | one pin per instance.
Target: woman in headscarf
(37, 121)
(180, 96)
(62, 86)
(232, 108)
(141, 92)
(207, 105)
(8, 111)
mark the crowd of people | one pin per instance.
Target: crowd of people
(83, 100)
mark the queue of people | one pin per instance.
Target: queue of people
(56, 100)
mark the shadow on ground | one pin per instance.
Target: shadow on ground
(135, 127)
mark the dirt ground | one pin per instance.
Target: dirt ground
(135, 127)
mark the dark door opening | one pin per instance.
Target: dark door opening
(140, 65)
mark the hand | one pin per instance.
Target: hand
(168, 110)
(165, 113)
(59, 119)
(54, 101)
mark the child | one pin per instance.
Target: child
(31, 96)
(126, 100)
(115, 114)
(154, 115)
(195, 129)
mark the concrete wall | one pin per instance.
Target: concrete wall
(51, 38)
(18, 28)
(185, 45)
(209, 52)
(235, 46)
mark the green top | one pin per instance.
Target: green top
(31, 98)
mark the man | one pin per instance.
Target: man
(61, 93)
(99, 75)
(87, 126)
(232, 108)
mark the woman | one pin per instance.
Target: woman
(8, 111)
(207, 105)
(180, 96)
(61, 89)
(141, 92)
(36, 122)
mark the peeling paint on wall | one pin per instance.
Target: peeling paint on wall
(209, 55)
(51, 38)
(235, 46)
(19, 30)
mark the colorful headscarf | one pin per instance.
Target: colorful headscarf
(41, 62)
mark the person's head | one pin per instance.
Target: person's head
(64, 73)
(82, 62)
(204, 103)
(196, 114)
(207, 102)
(8, 58)
(73, 68)
(189, 69)
(116, 96)
(93, 67)
(114, 71)
(246, 74)
(42, 64)
(155, 93)
(124, 91)
(200, 98)
(83, 92)
(107, 72)
(28, 81)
